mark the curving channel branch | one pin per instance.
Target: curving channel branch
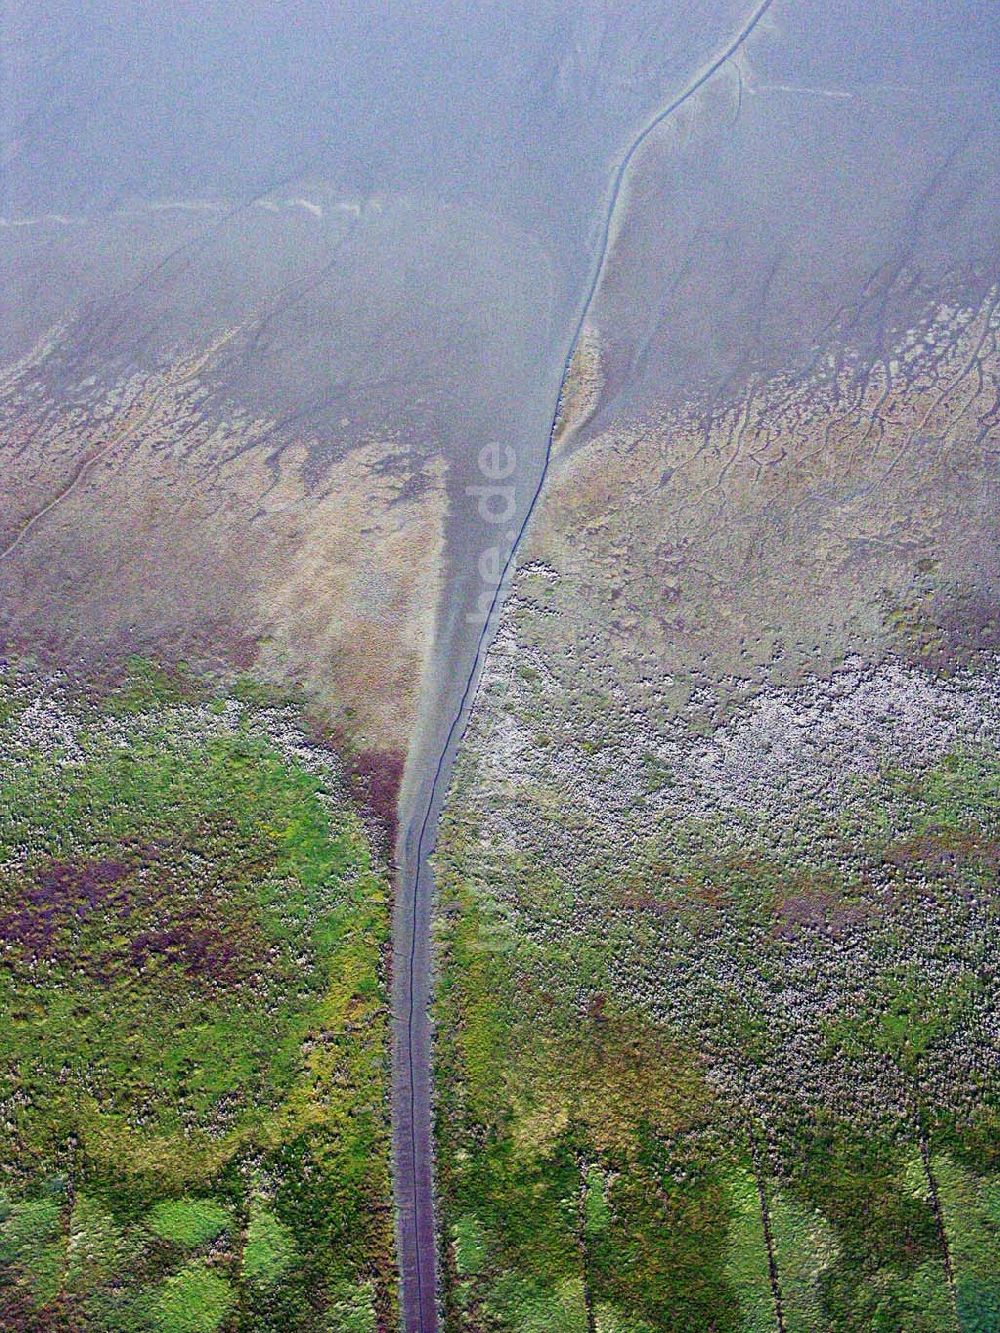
(412, 1120)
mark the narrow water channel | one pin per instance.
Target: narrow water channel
(421, 802)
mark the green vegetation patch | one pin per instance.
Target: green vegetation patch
(195, 1300)
(194, 1028)
(269, 1249)
(689, 1082)
(189, 1221)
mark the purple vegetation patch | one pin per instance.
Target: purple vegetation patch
(199, 950)
(63, 894)
(378, 774)
(49, 924)
(18, 1313)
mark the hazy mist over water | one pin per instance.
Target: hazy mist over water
(106, 101)
(514, 108)
(514, 112)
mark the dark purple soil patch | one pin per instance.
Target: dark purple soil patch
(377, 776)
